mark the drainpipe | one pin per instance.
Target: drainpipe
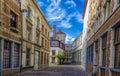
(21, 37)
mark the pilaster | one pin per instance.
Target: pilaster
(1, 55)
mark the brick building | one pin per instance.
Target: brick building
(103, 55)
(10, 37)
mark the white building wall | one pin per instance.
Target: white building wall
(57, 51)
(84, 38)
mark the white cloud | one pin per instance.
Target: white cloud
(71, 3)
(55, 13)
(79, 18)
(69, 39)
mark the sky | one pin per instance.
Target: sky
(65, 14)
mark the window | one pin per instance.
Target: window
(117, 47)
(28, 57)
(45, 58)
(43, 28)
(96, 51)
(16, 55)
(48, 45)
(104, 46)
(41, 57)
(7, 55)
(42, 42)
(53, 52)
(38, 22)
(45, 44)
(28, 33)
(13, 19)
(53, 59)
(29, 13)
(102, 72)
(46, 32)
(37, 37)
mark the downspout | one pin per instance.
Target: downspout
(21, 36)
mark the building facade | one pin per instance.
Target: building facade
(84, 36)
(36, 40)
(76, 49)
(56, 47)
(103, 55)
(10, 37)
(68, 53)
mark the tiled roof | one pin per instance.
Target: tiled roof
(60, 32)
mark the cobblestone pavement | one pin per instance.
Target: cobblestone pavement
(61, 70)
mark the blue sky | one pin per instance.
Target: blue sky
(65, 14)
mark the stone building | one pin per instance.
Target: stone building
(103, 55)
(35, 36)
(76, 49)
(10, 37)
(68, 53)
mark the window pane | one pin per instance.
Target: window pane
(6, 54)
(117, 47)
(28, 57)
(13, 19)
(16, 55)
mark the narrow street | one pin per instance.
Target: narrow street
(61, 70)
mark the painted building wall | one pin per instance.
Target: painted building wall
(57, 51)
(76, 49)
(84, 38)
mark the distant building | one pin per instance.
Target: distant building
(57, 45)
(68, 53)
(76, 49)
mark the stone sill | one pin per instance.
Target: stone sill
(14, 29)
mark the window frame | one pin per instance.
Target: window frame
(7, 55)
(117, 46)
(13, 19)
(104, 49)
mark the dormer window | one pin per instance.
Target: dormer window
(13, 19)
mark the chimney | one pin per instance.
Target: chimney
(54, 32)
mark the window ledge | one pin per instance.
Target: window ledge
(14, 29)
(115, 69)
(29, 19)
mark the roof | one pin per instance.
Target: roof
(60, 32)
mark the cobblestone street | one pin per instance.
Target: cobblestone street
(62, 70)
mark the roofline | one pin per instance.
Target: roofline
(41, 12)
(85, 4)
(77, 37)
